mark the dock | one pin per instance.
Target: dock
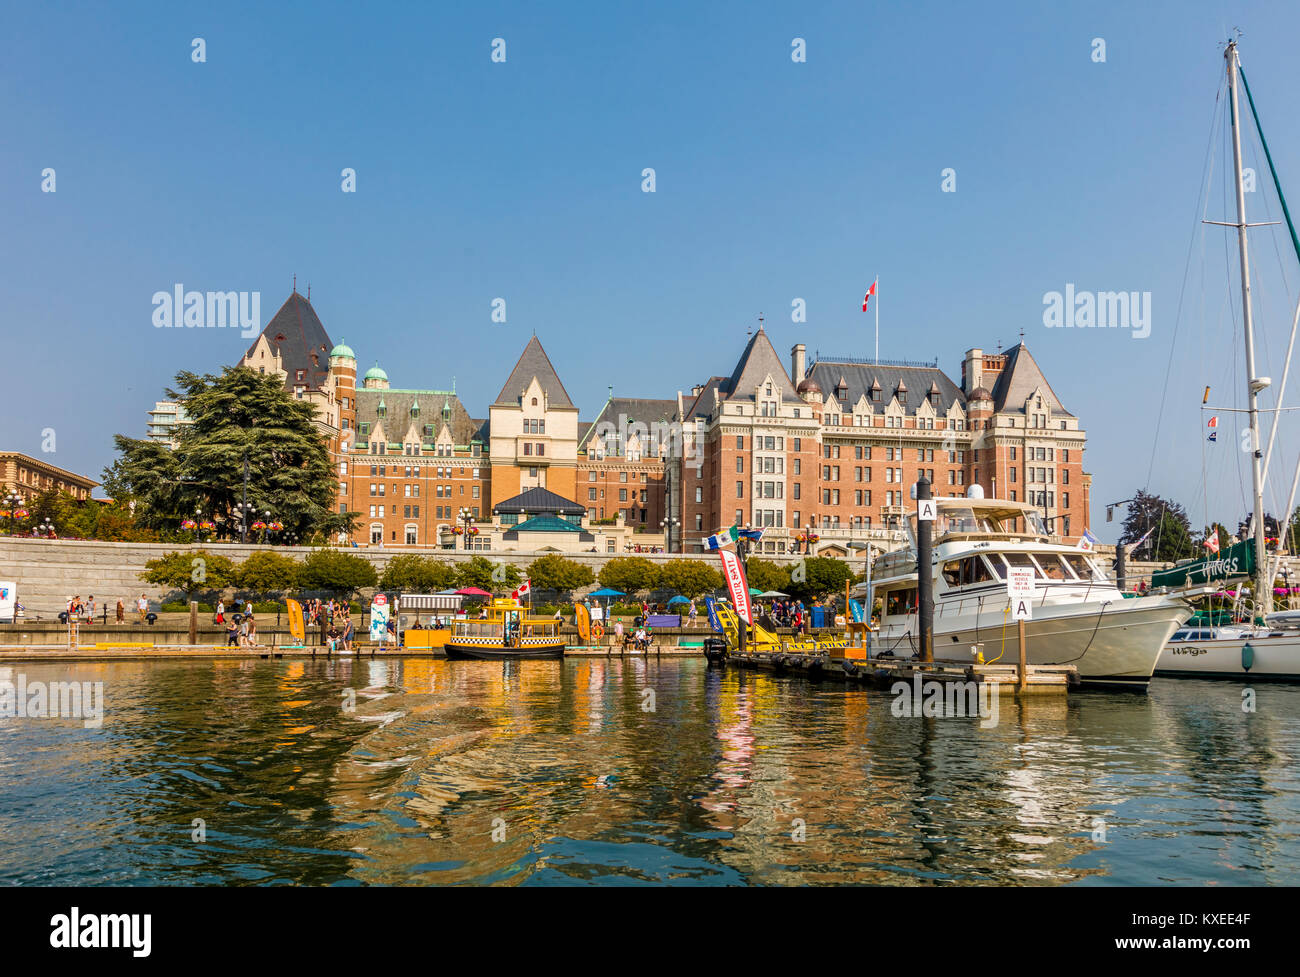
(884, 672)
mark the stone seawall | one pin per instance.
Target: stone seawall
(47, 572)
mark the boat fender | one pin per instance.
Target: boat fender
(849, 667)
(1247, 656)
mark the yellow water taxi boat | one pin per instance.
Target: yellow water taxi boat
(506, 632)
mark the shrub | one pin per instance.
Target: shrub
(341, 573)
(630, 574)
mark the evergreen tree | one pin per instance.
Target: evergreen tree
(1171, 539)
(241, 414)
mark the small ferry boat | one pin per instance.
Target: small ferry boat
(506, 632)
(1079, 617)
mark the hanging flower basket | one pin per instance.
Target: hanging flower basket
(473, 530)
(259, 525)
(189, 524)
(207, 525)
(276, 527)
(21, 514)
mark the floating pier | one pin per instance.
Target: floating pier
(1005, 679)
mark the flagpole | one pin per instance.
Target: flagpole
(877, 298)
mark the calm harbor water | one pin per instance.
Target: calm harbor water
(572, 772)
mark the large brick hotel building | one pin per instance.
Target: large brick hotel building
(830, 447)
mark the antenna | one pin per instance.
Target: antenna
(295, 283)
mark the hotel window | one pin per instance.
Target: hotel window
(1011, 471)
(343, 488)
(591, 476)
(528, 447)
(622, 495)
(740, 516)
(835, 497)
(591, 494)
(796, 491)
(475, 495)
(866, 500)
(740, 465)
(797, 443)
(796, 469)
(1065, 503)
(373, 490)
(740, 490)
(740, 442)
(699, 494)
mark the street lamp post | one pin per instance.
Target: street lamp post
(12, 501)
(466, 515)
(46, 528)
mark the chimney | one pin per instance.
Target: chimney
(697, 390)
(972, 371)
(798, 363)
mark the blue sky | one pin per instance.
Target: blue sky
(522, 180)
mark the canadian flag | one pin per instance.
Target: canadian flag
(1212, 541)
(870, 292)
(523, 589)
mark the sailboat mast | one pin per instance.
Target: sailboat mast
(1263, 585)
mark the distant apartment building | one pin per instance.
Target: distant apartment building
(165, 421)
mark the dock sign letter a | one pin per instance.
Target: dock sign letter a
(1022, 609)
(925, 509)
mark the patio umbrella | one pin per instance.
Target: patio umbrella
(679, 599)
(473, 592)
(755, 592)
(773, 594)
(607, 592)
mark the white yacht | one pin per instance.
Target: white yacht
(1235, 651)
(1079, 617)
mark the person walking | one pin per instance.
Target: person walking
(142, 607)
(252, 631)
(692, 615)
(347, 635)
(220, 617)
(121, 612)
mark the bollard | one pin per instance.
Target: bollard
(924, 576)
(1022, 682)
(194, 622)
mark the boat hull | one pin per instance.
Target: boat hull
(495, 651)
(1274, 657)
(1113, 644)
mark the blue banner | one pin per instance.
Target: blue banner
(713, 615)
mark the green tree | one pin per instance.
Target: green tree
(414, 574)
(554, 572)
(489, 575)
(241, 414)
(765, 575)
(192, 572)
(818, 576)
(630, 574)
(690, 578)
(340, 573)
(1171, 539)
(265, 572)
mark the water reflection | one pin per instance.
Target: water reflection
(428, 771)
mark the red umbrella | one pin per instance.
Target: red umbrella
(473, 592)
